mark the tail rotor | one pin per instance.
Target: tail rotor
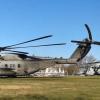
(88, 40)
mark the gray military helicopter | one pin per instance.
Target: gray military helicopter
(20, 64)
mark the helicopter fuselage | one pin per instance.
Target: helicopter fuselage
(23, 67)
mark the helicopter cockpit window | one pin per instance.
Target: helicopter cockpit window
(6, 66)
(19, 65)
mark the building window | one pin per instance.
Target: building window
(19, 65)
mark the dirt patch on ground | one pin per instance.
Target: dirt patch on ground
(3, 87)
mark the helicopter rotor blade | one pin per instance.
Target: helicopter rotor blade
(89, 32)
(14, 53)
(17, 52)
(84, 42)
(29, 41)
(81, 42)
(95, 42)
(39, 46)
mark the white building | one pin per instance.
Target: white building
(57, 70)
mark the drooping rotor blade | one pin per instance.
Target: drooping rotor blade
(17, 52)
(24, 56)
(89, 32)
(39, 45)
(29, 41)
(13, 53)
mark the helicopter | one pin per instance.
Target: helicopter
(18, 63)
(92, 68)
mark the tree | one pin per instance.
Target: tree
(71, 69)
(88, 59)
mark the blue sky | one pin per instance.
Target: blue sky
(21, 20)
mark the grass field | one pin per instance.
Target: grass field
(69, 88)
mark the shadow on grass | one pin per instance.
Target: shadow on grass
(83, 97)
(79, 98)
(25, 97)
